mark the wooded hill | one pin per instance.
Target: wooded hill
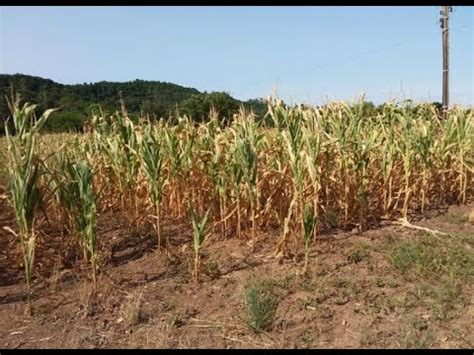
(141, 97)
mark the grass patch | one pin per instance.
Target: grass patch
(308, 282)
(404, 256)
(370, 338)
(260, 304)
(307, 338)
(415, 339)
(360, 253)
(467, 239)
(379, 282)
(440, 266)
(383, 305)
(417, 334)
(393, 284)
(354, 290)
(340, 282)
(135, 311)
(285, 283)
(457, 219)
(433, 256)
(416, 296)
(419, 324)
(448, 301)
(175, 320)
(367, 339)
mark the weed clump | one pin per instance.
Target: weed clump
(362, 252)
(261, 304)
(432, 256)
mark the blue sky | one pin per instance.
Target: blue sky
(312, 54)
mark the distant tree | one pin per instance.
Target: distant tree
(198, 106)
(438, 105)
(368, 108)
(154, 109)
(65, 122)
(258, 107)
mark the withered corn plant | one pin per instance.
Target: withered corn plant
(309, 224)
(293, 138)
(24, 172)
(80, 193)
(200, 233)
(151, 154)
(246, 148)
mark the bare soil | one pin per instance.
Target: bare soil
(353, 296)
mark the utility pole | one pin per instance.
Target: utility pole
(445, 34)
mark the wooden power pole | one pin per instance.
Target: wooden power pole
(445, 34)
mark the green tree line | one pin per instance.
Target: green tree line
(141, 97)
(154, 99)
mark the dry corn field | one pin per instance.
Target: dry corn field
(320, 227)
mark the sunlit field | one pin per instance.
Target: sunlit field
(324, 200)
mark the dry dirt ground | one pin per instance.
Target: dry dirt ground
(391, 287)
